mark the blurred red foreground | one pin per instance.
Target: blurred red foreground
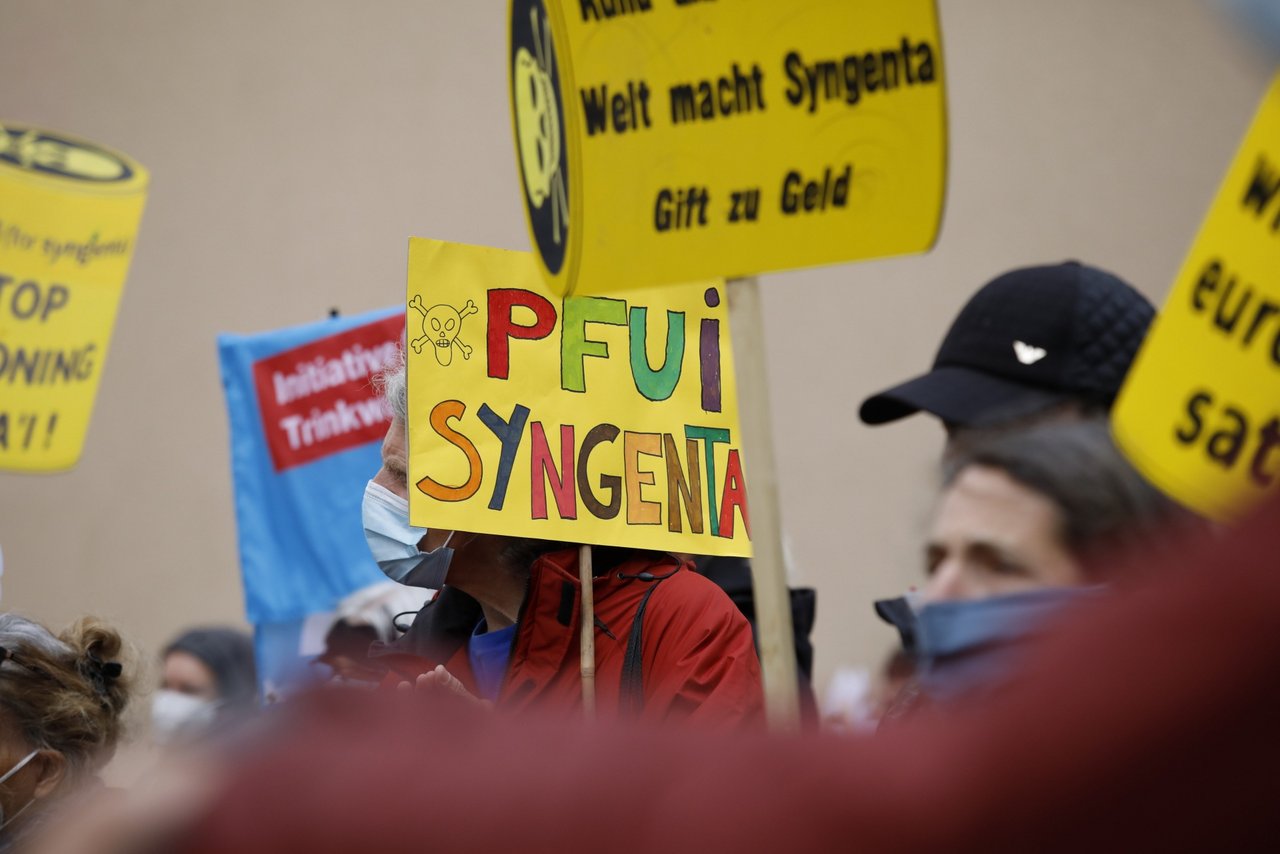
(1149, 724)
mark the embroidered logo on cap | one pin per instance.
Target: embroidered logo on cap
(1027, 354)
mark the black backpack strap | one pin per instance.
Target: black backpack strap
(632, 687)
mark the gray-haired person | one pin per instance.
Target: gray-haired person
(61, 701)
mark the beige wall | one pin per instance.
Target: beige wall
(294, 146)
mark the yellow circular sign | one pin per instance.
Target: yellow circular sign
(53, 156)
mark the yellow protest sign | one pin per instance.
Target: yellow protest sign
(1199, 414)
(669, 141)
(69, 212)
(585, 419)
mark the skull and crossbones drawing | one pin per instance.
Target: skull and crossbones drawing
(441, 325)
(538, 126)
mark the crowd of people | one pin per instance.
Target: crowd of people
(1032, 538)
(1027, 547)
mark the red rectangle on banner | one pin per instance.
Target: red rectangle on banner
(319, 399)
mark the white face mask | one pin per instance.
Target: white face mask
(175, 715)
(394, 542)
(22, 763)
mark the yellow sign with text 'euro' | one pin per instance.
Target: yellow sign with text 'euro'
(585, 419)
(666, 141)
(1199, 414)
(69, 213)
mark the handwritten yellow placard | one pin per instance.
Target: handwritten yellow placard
(583, 419)
(1199, 414)
(662, 141)
(69, 212)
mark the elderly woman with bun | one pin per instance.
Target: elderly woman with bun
(61, 699)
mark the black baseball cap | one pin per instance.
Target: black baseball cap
(1028, 340)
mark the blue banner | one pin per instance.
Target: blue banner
(306, 425)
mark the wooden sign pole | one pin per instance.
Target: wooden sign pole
(768, 573)
(587, 634)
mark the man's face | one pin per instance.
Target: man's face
(394, 475)
(993, 536)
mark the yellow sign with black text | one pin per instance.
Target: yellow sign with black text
(69, 214)
(1199, 414)
(585, 419)
(666, 141)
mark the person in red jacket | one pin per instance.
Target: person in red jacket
(504, 627)
(669, 644)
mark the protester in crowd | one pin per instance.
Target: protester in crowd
(366, 617)
(1026, 510)
(669, 645)
(1014, 539)
(1035, 343)
(61, 700)
(1146, 724)
(207, 678)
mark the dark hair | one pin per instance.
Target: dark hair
(1103, 500)
(67, 693)
(228, 653)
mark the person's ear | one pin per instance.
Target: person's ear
(53, 767)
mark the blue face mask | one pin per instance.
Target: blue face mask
(394, 542)
(965, 645)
